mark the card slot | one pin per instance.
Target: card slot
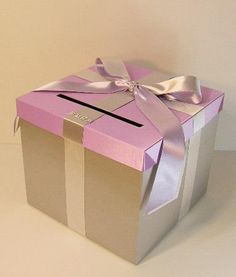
(129, 121)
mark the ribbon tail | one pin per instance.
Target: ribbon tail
(76, 87)
(165, 186)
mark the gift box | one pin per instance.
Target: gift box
(95, 161)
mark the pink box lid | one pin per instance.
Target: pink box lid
(137, 147)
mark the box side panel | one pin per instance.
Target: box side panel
(112, 203)
(43, 155)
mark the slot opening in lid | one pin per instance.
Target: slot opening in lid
(129, 121)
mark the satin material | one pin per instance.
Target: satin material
(184, 89)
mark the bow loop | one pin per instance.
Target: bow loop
(112, 69)
(184, 88)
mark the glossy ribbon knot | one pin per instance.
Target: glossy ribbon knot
(132, 85)
(113, 77)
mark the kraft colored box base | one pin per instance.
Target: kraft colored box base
(101, 198)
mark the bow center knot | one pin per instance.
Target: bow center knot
(131, 85)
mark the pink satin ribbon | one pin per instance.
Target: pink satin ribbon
(184, 88)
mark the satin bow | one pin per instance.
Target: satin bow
(149, 99)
